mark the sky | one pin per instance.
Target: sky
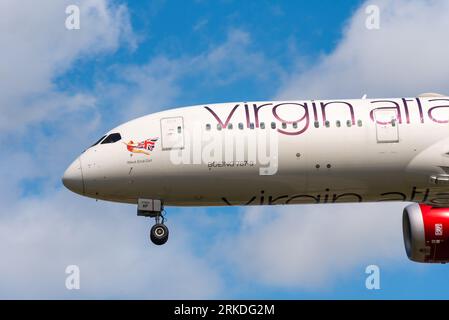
(61, 89)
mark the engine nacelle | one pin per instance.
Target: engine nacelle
(426, 233)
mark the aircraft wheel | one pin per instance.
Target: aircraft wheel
(159, 234)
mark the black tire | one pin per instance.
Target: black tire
(159, 234)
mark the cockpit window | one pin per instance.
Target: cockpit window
(113, 137)
(99, 140)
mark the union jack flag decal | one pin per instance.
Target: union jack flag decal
(142, 147)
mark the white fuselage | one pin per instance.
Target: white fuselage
(275, 152)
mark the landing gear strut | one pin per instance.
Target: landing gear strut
(154, 209)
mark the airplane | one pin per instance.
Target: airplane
(280, 153)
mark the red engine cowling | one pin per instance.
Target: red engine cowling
(426, 233)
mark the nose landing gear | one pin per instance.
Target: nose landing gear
(159, 232)
(154, 209)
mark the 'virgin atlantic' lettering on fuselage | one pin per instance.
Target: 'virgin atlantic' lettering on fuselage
(317, 112)
(327, 196)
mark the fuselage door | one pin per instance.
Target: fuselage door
(172, 131)
(387, 129)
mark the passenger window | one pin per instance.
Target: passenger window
(98, 141)
(327, 124)
(359, 123)
(241, 126)
(348, 123)
(230, 126)
(295, 125)
(284, 125)
(338, 124)
(113, 137)
(316, 124)
(219, 127)
(262, 125)
(251, 125)
(179, 129)
(208, 127)
(273, 125)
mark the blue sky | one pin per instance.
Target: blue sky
(63, 89)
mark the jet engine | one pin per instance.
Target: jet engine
(426, 233)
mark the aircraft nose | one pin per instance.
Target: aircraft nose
(73, 177)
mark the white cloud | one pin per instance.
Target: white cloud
(160, 82)
(41, 236)
(405, 57)
(200, 24)
(234, 59)
(310, 246)
(37, 48)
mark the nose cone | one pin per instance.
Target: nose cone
(73, 177)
